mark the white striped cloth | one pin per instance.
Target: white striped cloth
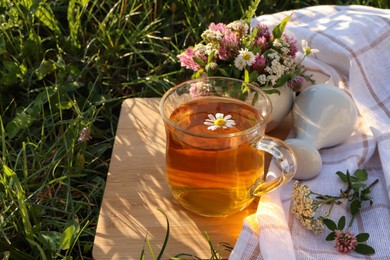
(354, 45)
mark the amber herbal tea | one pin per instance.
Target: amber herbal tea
(212, 163)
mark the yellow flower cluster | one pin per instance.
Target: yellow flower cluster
(304, 208)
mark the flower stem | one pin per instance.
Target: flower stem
(372, 184)
(330, 210)
(351, 221)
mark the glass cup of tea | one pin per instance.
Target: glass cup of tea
(215, 144)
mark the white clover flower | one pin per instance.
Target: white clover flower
(288, 62)
(219, 121)
(262, 79)
(212, 36)
(275, 70)
(307, 50)
(200, 48)
(277, 43)
(210, 48)
(273, 79)
(274, 56)
(285, 50)
(244, 58)
(239, 26)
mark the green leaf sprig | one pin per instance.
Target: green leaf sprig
(251, 11)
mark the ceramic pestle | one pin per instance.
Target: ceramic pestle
(323, 116)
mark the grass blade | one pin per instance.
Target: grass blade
(166, 236)
(21, 199)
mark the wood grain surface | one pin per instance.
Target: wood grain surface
(136, 192)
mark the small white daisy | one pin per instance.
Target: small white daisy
(307, 50)
(218, 121)
(277, 43)
(244, 58)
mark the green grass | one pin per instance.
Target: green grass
(66, 66)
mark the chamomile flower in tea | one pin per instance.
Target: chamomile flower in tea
(219, 121)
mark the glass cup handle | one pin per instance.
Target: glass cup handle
(284, 157)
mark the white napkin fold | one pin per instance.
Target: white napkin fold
(274, 234)
(383, 146)
(266, 231)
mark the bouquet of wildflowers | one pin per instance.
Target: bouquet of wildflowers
(255, 55)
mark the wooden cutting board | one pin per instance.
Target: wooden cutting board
(136, 194)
